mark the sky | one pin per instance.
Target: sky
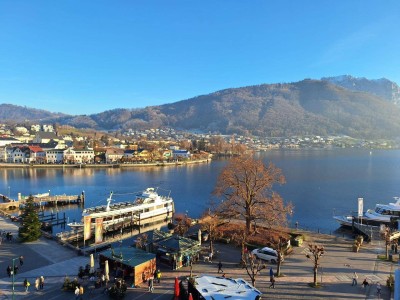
(85, 57)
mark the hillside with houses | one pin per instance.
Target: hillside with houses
(42, 144)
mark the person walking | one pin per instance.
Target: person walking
(151, 283)
(355, 277)
(378, 289)
(41, 282)
(365, 283)
(81, 292)
(272, 285)
(220, 267)
(210, 257)
(9, 271)
(76, 293)
(37, 283)
(21, 260)
(158, 275)
(26, 285)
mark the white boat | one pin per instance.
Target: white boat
(147, 207)
(345, 221)
(42, 195)
(386, 214)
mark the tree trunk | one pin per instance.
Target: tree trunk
(242, 251)
(248, 226)
(211, 244)
(315, 276)
(278, 266)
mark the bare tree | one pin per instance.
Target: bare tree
(253, 266)
(282, 245)
(141, 241)
(210, 222)
(314, 254)
(183, 223)
(246, 186)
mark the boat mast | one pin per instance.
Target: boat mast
(109, 201)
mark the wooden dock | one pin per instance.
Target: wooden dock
(55, 200)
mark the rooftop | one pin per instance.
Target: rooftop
(215, 288)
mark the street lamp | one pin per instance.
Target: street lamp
(13, 275)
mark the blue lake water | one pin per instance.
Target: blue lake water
(317, 182)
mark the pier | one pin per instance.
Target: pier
(369, 231)
(116, 232)
(50, 200)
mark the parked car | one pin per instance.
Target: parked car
(267, 254)
(16, 219)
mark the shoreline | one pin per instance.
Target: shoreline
(119, 165)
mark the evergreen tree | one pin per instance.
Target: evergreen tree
(30, 228)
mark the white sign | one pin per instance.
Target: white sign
(360, 207)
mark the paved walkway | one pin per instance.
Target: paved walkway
(54, 261)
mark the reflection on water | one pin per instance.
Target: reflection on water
(318, 181)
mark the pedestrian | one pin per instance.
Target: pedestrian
(378, 289)
(271, 274)
(41, 282)
(220, 267)
(26, 284)
(151, 283)
(210, 257)
(355, 277)
(103, 280)
(272, 280)
(21, 260)
(16, 268)
(158, 276)
(37, 283)
(365, 283)
(81, 291)
(76, 293)
(9, 271)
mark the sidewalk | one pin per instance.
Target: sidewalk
(53, 261)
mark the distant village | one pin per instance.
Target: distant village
(55, 144)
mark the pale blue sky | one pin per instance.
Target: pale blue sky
(84, 57)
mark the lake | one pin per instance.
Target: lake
(318, 181)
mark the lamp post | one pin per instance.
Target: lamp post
(13, 276)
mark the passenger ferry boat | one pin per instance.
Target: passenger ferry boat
(383, 214)
(147, 207)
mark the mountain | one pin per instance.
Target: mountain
(383, 87)
(15, 113)
(321, 107)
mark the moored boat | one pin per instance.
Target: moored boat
(383, 214)
(147, 207)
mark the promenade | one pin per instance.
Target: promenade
(53, 261)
